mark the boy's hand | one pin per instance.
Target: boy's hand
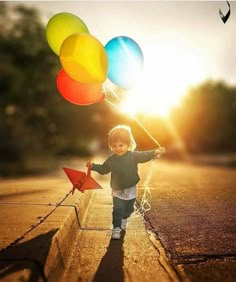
(89, 164)
(159, 151)
(162, 150)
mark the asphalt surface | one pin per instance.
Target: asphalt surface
(189, 233)
(193, 214)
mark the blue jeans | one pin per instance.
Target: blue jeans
(121, 209)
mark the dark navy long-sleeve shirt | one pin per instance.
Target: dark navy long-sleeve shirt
(124, 169)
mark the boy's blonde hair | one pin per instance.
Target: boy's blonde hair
(121, 133)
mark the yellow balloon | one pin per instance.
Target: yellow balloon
(84, 58)
(60, 26)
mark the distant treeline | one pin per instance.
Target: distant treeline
(37, 124)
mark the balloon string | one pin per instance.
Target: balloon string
(137, 121)
(143, 206)
(112, 91)
(147, 132)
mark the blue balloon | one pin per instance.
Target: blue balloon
(125, 61)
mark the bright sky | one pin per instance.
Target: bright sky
(183, 43)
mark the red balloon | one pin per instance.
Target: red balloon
(79, 93)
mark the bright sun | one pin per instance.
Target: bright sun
(166, 77)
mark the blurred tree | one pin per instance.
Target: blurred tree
(206, 119)
(26, 82)
(36, 123)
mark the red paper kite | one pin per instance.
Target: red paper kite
(81, 180)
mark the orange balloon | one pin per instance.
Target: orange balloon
(79, 93)
(84, 58)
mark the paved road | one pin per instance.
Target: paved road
(193, 213)
(192, 219)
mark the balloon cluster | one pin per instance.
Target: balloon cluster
(86, 63)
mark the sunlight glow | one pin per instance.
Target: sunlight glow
(167, 76)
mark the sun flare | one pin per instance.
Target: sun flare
(165, 80)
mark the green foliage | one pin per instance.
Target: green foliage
(206, 119)
(37, 124)
(27, 69)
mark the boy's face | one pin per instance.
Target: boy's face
(119, 148)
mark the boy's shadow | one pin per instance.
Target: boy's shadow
(111, 265)
(30, 255)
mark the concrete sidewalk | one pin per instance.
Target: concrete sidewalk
(42, 240)
(137, 256)
(37, 232)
